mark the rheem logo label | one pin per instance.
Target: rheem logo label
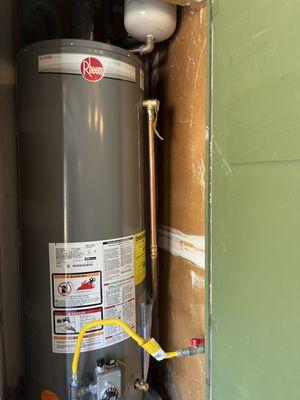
(92, 69)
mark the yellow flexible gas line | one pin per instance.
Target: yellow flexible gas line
(171, 354)
(150, 346)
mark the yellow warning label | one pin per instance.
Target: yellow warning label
(139, 257)
(48, 395)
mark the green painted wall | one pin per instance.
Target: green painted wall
(255, 209)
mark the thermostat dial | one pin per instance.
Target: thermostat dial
(110, 394)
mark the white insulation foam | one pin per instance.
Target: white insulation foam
(189, 247)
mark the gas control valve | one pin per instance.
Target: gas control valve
(108, 380)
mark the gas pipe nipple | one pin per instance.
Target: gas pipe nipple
(197, 346)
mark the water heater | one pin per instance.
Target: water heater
(82, 209)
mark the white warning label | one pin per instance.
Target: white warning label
(75, 256)
(67, 325)
(77, 290)
(118, 259)
(70, 322)
(91, 281)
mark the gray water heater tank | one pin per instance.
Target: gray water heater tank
(82, 211)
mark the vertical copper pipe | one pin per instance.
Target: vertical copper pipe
(152, 106)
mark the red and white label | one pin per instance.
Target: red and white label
(90, 281)
(76, 290)
(92, 69)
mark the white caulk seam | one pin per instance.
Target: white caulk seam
(189, 247)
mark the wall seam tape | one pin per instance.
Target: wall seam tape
(189, 247)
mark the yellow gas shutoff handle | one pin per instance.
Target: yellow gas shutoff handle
(151, 346)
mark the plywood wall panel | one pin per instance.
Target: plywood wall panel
(181, 89)
(178, 80)
(181, 318)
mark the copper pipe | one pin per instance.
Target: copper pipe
(152, 106)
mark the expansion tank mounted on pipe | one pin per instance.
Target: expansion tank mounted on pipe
(149, 22)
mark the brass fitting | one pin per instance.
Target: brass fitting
(140, 384)
(151, 105)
